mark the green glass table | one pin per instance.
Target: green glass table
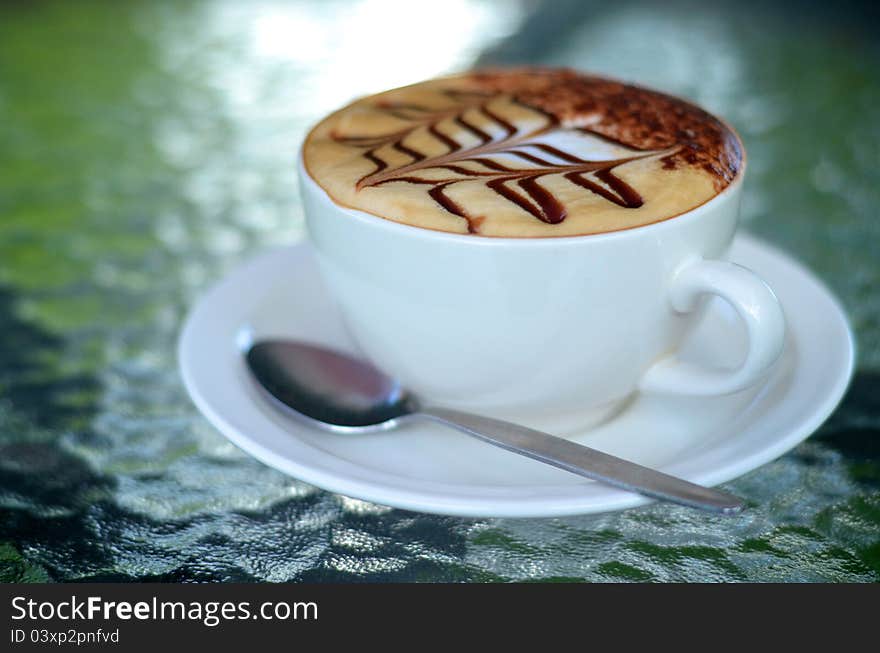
(147, 148)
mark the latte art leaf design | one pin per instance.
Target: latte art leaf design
(511, 163)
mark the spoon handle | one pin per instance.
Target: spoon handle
(576, 458)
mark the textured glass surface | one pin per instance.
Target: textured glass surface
(146, 148)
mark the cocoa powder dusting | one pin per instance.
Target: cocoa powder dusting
(636, 117)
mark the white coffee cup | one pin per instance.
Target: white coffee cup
(553, 333)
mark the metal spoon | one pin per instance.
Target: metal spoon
(338, 393)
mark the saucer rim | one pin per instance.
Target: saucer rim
(346, 478)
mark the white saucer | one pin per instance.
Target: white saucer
(434, 469)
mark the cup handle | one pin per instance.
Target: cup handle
(756, 306)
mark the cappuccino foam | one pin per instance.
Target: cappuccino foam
(522, 153)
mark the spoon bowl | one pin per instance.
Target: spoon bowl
(333, 391)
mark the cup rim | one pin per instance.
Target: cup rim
(404, 229)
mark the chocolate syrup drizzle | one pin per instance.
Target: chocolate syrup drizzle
(517, 185)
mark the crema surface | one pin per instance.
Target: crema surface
(522, 153)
